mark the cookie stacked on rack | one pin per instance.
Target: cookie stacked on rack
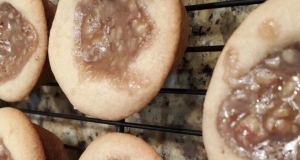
(251, 110)
(21, 139)
(119, 146)
(111, 58)
(23, 51)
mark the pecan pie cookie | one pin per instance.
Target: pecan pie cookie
(252, 107)
(111, 57)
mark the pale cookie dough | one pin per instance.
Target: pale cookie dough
(111, 64)
(119, 146)
(251, 110)
(20, 139)
(19, 136)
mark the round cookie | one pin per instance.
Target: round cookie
(16, 85)
(19, 136)
(53, 147)
(116, 85)
(257, 62)
(46, 75)
(119, 146)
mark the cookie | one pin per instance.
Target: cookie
(119, 146)
(111, 58)
(18, 138)
(54, 149)
(46, 75)
(251, 109)
(23, 49)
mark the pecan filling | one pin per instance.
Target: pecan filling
(109, 36)
(18, 41)
(260, 118)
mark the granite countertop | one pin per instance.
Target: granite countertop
(207, 27)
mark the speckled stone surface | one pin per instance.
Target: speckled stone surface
(208, 27)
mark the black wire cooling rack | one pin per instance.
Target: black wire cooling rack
(121, 125)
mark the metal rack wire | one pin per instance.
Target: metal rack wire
(121, 125)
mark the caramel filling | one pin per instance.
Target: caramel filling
(18, 41)
(4, 152)
(109, 36)
(260, 118)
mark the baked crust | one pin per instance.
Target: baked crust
(119, 146)
(183, 40)
(251, 44)
(19, 135)
(53, 147)
(100, 99)
(19, 87)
